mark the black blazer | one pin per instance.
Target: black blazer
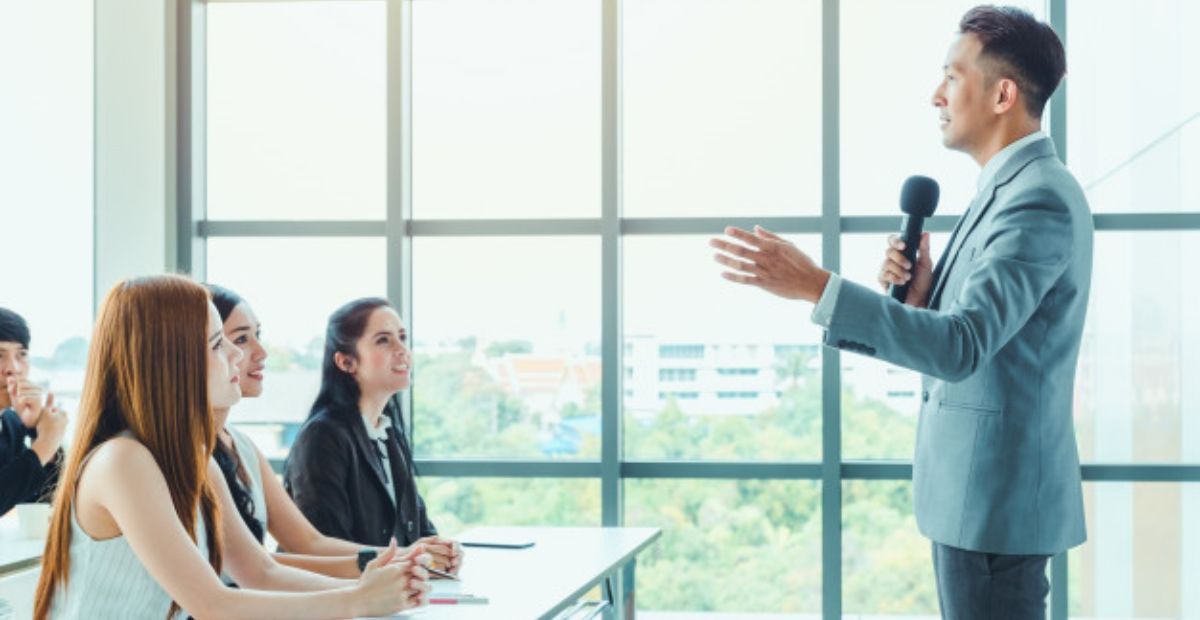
(335, 476)
(23, 478)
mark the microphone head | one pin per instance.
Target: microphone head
(919, 196)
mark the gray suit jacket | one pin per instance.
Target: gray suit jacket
(996, 468)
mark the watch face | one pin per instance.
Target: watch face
(365, 556)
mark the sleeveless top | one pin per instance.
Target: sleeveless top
(244, 447)
(106, 580)
(249, 458)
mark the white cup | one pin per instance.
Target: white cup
(33, 520)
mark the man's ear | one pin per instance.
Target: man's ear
(1007, 95)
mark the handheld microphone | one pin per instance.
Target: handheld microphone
(918, 200)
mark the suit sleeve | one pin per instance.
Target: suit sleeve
(1027, 251)
(316, 476)
(22, 479)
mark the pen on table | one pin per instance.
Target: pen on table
(442, 574)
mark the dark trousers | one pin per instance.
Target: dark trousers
(986, 586)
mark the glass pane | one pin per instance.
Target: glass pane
(297, 117)
(891, 62)
(1132, 152)
(506, 111)
(46, 185)
(746, 546)
(459, 504)
(507, 346)
(713, 369)
(880, 401)
(722, 107)
(887, 566)
(1141, 345)
(293, 312)
(1142, 558)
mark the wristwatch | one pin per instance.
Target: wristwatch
(365, 556)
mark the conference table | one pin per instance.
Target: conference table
(546, 581)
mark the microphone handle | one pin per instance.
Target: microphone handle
(910, 234)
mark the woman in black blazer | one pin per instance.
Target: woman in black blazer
(351, 470)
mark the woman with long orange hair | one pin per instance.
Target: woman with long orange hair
(140, 529)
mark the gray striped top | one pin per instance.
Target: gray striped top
(106, 580)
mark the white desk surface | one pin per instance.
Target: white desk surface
(540, 582)
(16, 552)
(16, 591)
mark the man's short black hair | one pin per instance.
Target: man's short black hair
(1020, 48)
(13, 328)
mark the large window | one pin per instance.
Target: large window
(721, 108)
(46, 184)
(507, 341)
(506, 112)
(1133, 153)
(296, 110)
(1142, 558)
(537, 200)
(1133, 399)
(728, 545)
(458, 504)
(1136, 399)
(886, 567)
(701, 381)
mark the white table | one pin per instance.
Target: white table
(563, 565)
(16, 591)
(17, 552)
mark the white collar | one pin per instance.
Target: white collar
(379, 431)
(993, 165)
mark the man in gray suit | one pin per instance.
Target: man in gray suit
(994, 329)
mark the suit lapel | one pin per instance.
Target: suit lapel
(966, 224)
(941, 264)
(983, 201)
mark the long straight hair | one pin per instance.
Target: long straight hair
(147, 374)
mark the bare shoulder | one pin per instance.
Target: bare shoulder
(119, 469)
(122, 456)
(119, 465)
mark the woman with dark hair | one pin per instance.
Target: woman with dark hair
(351, 469)
(260, 498)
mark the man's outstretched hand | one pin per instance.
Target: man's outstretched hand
(768, 261)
